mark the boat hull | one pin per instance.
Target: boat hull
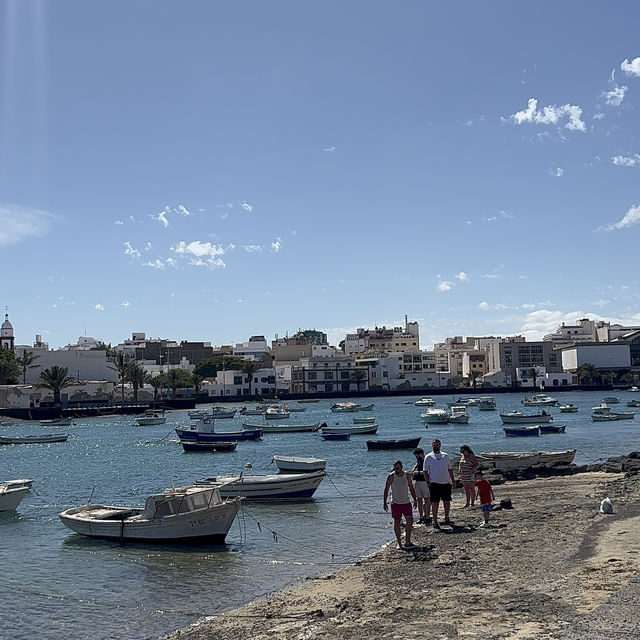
(293, 486)
(289, 464)
(195, 436)
(284, 428)
(523, 431)
(44, 439)
(11, 497)
(355, 430)
(211, 524)
(379, 445)
(524, 419)
(340, 437)
(221, 447)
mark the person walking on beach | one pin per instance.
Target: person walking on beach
(399, 482)
(484, 491)
(467, 467)
(421, 487)
(439, 474)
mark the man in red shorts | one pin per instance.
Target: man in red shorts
(401, 486)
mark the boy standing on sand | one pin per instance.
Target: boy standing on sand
(400, 484)
(484, 493)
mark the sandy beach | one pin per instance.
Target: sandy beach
(551, 567)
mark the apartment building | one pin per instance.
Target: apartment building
(328, 375)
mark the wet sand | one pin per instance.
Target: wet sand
(551, 567)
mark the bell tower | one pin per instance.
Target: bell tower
(6, 334)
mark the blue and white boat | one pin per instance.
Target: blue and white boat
(522, 431)
(203, 431)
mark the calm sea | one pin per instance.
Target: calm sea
(58, 584)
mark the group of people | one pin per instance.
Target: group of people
(429, 483)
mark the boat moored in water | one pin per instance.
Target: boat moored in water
(293, 464)
(176, 515)
(404, 443)
(522, 431)
(35, 439)
(517, 417)
(12, 492)
(279, 486)
(204, 431)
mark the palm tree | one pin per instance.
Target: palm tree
(197, 382)
(9, 373)
(137, 376)
(358, 376)
(474, 374)
(55, 379)
(26, 362)
(249, 368)
(588, 372)
(121, 363)
(157, 382)
(534, 374)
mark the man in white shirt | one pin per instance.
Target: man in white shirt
(439, 474)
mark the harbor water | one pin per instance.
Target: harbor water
(59, 584)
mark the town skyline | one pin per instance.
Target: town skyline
(331, 166)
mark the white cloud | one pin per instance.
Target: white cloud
(182, 210)
(626, 161)
(156, 264)
(98, 307)
(276, 245)
(491, 276)
(130, 251)
(615, 96)
(444, 285)
(528, 305)
(551, 114)
(329, 149)
(631, 68)
(17, 223)
(559, 172)
(246, 206)
(630, 219)
(252, 248)
(200, 254)
(125, 304)
(462, 276)
(147, 246)
(162, 217)
(598, 116)
(483, 306)
(600, 303)
(119, 222)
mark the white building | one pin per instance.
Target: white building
(607, 356)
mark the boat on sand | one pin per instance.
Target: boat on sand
(506, 460)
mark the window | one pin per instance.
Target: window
(328, 375)
(312, 375)
(237, 379)
(344, 375)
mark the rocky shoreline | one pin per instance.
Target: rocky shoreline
(551, 567)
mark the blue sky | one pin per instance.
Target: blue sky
(212, 170)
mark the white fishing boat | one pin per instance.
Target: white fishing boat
(258, 410)
(435, 416)
(634, 389)
(366, 407)
(517, 417)
(278, 486)
(367, 420)
(633, 403)
(291, 409)
(486, 403)
(282, 428)
(425, 402)
(344, 407)
(540, 400)
(57, 422)
(355, 429)
(568, 408)
(611, 400)
(181, 514)
(309, 400)
(457, 414)
(277, 413)
(222, 413)
(507, 460)
(150, 417)
(292, 464)
(12, 492)
(603, 413)
(464, 402)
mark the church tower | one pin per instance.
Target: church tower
(6, 334)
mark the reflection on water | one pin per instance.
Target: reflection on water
(63, 583)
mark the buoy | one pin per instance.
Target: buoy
(248, 465)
